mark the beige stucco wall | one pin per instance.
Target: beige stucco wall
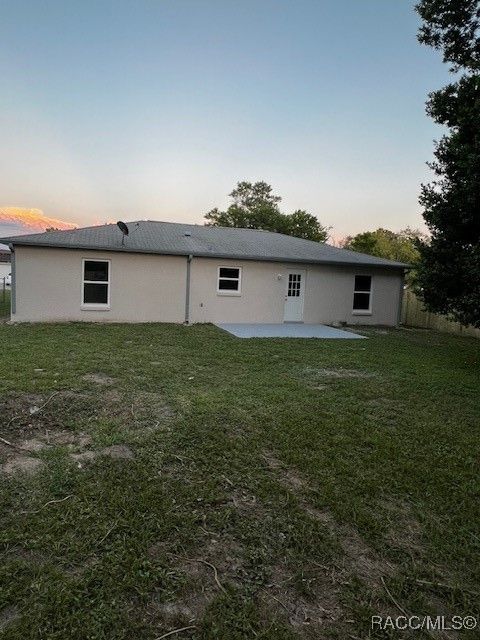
(328, 293)
(261, 299)
(144, 288)
(151, 288)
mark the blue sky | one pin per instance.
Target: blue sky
(155, 109)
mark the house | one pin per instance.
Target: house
(169, 272)
(5, 267)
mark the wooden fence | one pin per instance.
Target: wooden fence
(414, 315)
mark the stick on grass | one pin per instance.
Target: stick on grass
(170, 633)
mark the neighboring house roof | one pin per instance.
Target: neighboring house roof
(171, 238)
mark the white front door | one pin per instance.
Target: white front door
(294, 296)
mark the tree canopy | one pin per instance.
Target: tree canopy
(449, 268)
(255, 206)
(384, 243)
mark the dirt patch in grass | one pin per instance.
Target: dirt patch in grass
(321, 378)
(18, 463)
(81, 459)
(311, 613)
(115, 451)
(33, 445)
(319, 373)
(224, 562)
(44, 441)
(246, 503)
(149, 409)
(23, 554)
(358, 556)
(77, 571)
(362, 559)
(99, 378)
(179, 612)
(405, 532)
(25, 415)
(28, 432)
(56, 438)
(289, 478)
(203, 576)
(33, 421)
(8, 616)
(118, 452)
(215, 564)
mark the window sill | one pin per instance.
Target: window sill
(234, 294)
(95, 307)
(361, 313)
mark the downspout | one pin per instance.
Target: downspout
(13, 288)
(187, 291)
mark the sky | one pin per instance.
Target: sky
(155, 109)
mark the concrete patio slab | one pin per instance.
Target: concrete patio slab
(287, 330)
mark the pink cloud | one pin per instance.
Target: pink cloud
(30, 220)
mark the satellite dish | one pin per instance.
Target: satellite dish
(124, 229)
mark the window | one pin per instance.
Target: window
(362, 294)
(96, 284)
(294, 283)
(229, 280)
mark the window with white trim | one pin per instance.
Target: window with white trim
(96, 284)
(229, 280)
(362, 294)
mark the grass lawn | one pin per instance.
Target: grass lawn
(168, 477)
(4, 302)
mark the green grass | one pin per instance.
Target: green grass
(323, 482)
(4, 302)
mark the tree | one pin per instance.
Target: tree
(383, 243)
(302, 224)
(255, 206)
(449, 267)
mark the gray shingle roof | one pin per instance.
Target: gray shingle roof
(171, 238)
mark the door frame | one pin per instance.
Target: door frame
(303, 279)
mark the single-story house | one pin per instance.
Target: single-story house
(5, 267)
(187, 273)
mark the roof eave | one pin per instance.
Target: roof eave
(224, 256)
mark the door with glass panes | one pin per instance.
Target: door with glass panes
(294, 296)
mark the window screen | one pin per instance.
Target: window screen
(95, 270)
(362, 293)
(229, 279)
(96, 281)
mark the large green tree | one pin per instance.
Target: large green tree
(449, 269)
(254, 206)
(401, 246)
(384, 243)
